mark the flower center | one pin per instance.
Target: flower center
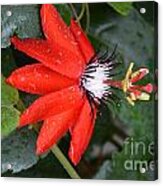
(97, 72)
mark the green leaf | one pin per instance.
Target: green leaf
(135, 40)
(22, 20)
(65, 12)
(10, 119)
(48, 167)
(128, 163)
(10, 115)
(141, 118)
(132, 34)
(18, 151)
(8, 62)
(122, 8)
(137, 150)
(9, 94)
(104, 170)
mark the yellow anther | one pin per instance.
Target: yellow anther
(131, 102)
(129, 71)
(133, 97)
(126, 84)
(144, 96)
(126, 81)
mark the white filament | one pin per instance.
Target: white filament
(96, 84)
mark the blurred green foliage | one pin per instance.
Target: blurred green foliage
(10, 115)
(21, 20)
(18, 151)
(122, 8)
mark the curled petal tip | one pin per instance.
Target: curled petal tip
(75, 163)
(13, 39)
(74, 158)
(38, 151)
(47, 5)
(9, 80)
(139, 74)
(73, 22)
(22, 121)
(144, 70)
(148, 88)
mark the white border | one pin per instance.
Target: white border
(59, 182)
(58, 1)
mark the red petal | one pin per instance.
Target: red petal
(139, 74)
(38, 79)
(56, 31)
(136, 93)
(55, 57)
(53, 129)
(51, 104)
(147, 88)
(82, 133)
(83, 41)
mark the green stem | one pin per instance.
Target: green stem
(65, 163)
(81, 12)
(74, 12)
(87, 18)
(55, 150)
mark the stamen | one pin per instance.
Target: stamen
(95, 76)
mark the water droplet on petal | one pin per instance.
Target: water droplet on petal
(60, 54)
(65, 36)
(55, 15)
(46, 76)
(22, 79)
(79, 33)
(48, 50)
(58, 61)
(74, 42)
(32, 86)
(59, 27)
(72, 89)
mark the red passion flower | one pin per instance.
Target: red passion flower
(71, 79)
